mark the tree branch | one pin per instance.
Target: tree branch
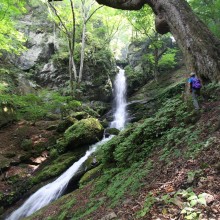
(124, 4)
(56, 13)
(93, 13)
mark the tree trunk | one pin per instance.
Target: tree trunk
(199, 46)
(82, 51)
(71, 77)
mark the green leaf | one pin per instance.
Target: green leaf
(192, 197)
(202, 201)
(183, 211)
(193, 202)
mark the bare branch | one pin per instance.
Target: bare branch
(93, 13)
(56, 13)
(74, 25)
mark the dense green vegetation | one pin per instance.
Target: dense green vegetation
(128, 162)
(59, 105)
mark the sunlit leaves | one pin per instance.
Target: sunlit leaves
(142, 21)
(208, 11)
(10, 38)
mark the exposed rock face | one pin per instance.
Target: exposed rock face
(41, 42)
(40, 48)
(49, 71)
(136, 51)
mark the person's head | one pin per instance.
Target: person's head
(192, 74)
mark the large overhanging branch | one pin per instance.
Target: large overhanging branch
(124, 4)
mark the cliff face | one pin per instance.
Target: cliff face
(46, 59)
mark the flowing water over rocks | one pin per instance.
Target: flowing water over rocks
(54, 190)
(120, 114)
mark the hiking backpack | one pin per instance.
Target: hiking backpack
(196, 84)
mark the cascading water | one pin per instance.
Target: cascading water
(54, 190)
(120, 114)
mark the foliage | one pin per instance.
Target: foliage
(135, 78)
(211, 91)
(10, 38)
(192, 200)
(116, 182)
(189, 209)
(33, 107)
(208, 11)
(168, 60)
(57, 166)
(26, 144)
(149, 202)
(137, 141)
(142, 22)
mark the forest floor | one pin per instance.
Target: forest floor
(160, 197)
(19, 161)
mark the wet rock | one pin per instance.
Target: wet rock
(111, 131)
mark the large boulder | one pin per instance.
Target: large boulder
(84, 132)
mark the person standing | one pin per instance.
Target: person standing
(194, 87)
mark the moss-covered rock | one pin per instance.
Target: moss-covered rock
(80, 115)
(90, 175)
(66, 123)
(84, 132)
(112, 131)
(4, 162)
(56, 167)
(27, 145)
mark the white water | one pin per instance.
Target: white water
(120, 114)
(54, 190)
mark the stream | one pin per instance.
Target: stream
(55, 189)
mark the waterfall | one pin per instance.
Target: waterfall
(120, 114)
(54, 190)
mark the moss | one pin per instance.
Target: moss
(84, 132)
(80, 115)
(56, 167)
(26, 145)
(112, 131)
(90, 175)
(66, 123)
(211, 91)
(4, 162)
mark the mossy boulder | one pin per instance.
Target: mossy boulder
(79, 115)
(111, 131)
(66, 123)
(90, 175)
(84, 132)
(57, 167)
